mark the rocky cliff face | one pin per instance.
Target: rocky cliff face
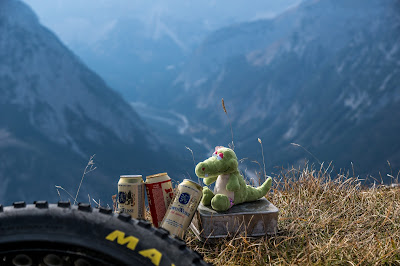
(55, 113)
(325, 74)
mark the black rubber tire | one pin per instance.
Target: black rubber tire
(82, 235)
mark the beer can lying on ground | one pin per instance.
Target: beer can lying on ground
(180, 212)
(159, 195)
(131, 196)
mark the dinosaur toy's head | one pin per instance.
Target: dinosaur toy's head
(223, 161)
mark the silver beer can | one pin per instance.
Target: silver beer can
(180, 212)
(131, 196)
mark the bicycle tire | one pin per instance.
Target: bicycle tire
(65, 234)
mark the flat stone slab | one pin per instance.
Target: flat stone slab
(253, 219)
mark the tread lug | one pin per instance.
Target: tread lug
(19, 204)
(64, 204)
(179, 243)
(161, 232)
(84, 207)
(41, 204)
(124, 217)
(105, 210)
(144, 223)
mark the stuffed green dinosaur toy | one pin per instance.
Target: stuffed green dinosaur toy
(230, 188)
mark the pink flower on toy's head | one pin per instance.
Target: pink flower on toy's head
(217, 148)
(217, 154)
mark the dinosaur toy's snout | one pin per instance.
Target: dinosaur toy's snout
(201, 170)
(204, 170)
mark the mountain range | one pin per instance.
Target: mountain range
(318, 83)
(324, 75)
(55, 113)
(139, 46)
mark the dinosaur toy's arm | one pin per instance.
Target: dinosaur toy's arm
(233, 183)
(210, 180)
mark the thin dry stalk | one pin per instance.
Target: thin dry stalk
(114, 200)
(230, 124)
(262, 152)
(298, 145)
(97, 203)
(194, 164)
(58, 192)
(89, 168)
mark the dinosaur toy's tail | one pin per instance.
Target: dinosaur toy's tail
(257, 193)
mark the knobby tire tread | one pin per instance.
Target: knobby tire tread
(174, 251)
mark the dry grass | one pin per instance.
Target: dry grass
(232, 144)
(89, 168)
(321, 221)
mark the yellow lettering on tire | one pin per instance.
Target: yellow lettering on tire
(152, 254)
(122, 240)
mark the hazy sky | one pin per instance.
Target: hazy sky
(74, 20)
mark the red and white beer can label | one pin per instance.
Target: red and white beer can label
(159, 196)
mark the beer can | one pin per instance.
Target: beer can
(159, 195)
(131, 196)
(180, 212)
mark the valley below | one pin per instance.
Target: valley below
(317, 82)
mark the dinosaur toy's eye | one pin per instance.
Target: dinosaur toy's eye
(220, 156)
(215, 154)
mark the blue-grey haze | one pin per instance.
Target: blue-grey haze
(324, 74)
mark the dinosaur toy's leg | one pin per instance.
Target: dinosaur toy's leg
(207, 196)
(220, 203)
(257, 193)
